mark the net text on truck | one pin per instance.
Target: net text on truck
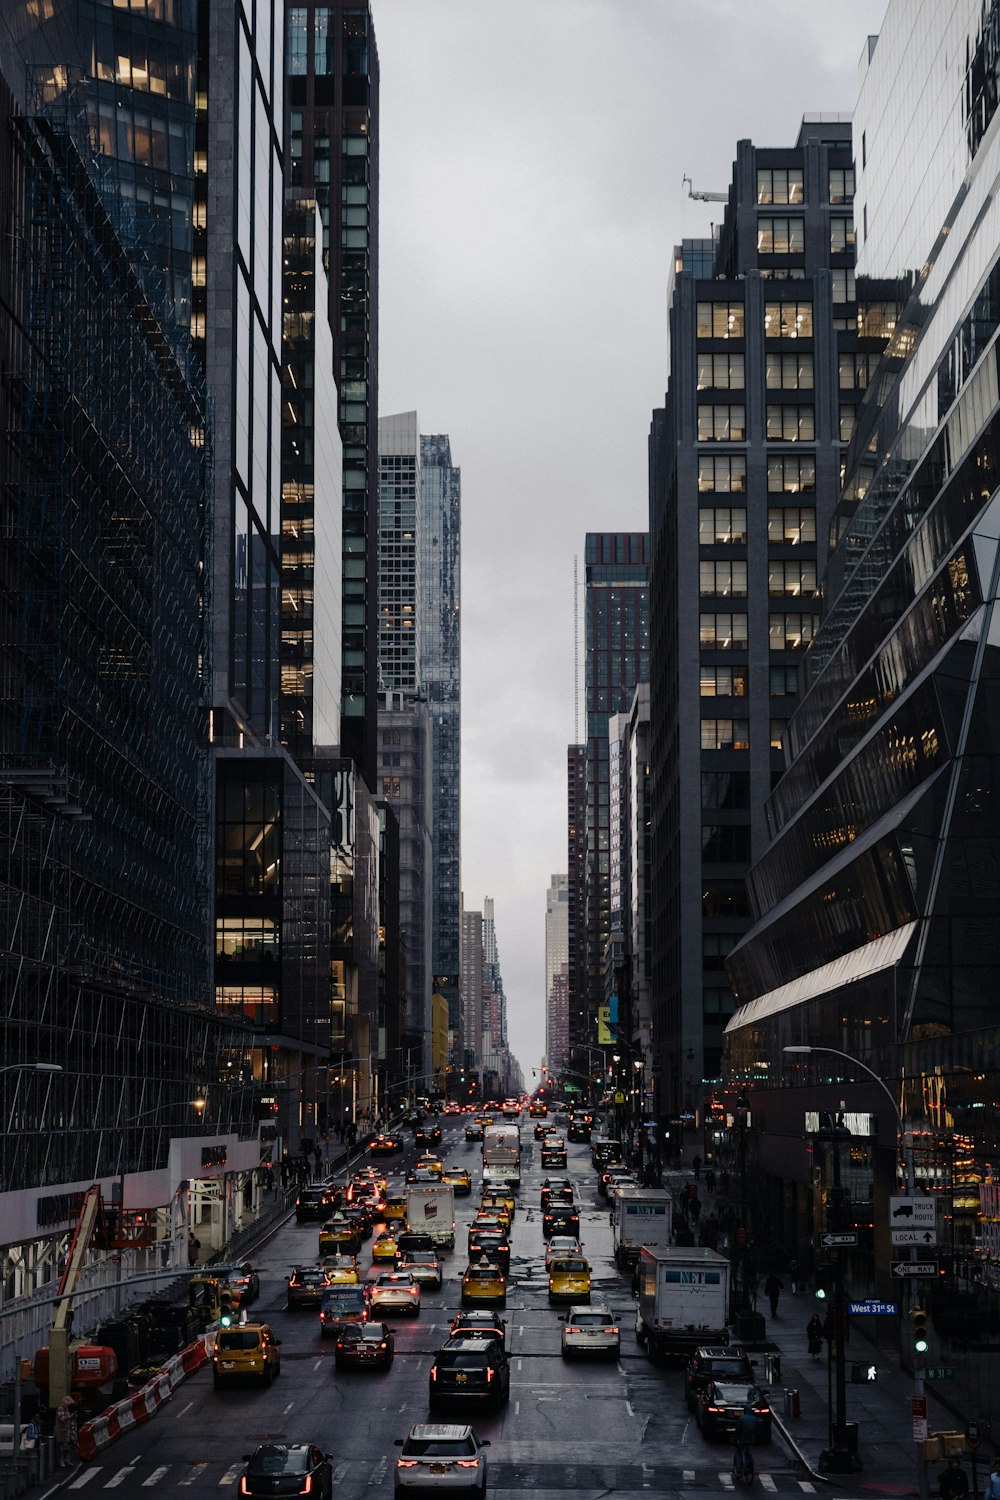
(502, 1154)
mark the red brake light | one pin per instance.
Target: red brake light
(468, 1463)
(434, 1372)
(489, 1374)
(307, 1487)
(243, 1486)
(611, 1330)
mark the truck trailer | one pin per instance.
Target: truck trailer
(640, 1216)
(683, 1299)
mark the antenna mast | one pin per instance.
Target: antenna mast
(576, 654)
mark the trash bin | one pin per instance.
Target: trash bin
(772, 1368)
(851, 1437)
(792, 1407)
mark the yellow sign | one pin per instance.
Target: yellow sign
(619, 1097)
(604, 1036)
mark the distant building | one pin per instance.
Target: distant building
(557, 974)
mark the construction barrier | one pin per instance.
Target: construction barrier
(138, 1408)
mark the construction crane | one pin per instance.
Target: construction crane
(60, 1332)
(704, 197)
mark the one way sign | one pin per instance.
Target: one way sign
(914, 1268)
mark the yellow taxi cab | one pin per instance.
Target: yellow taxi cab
(500, 1197)
(338, 1234)
(394, 1208)
(430, 1163)
(384, 1247)
(569, 1279)
(341, 1270)
(246, 1351)
(484, 1281)
(459, 1179)
(484, 1119)
(493, 1207)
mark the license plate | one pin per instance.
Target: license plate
(438, 1468)
(227, 1364)
(461, 1379)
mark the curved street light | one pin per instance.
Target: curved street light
(857, 1063)
(35, 1067)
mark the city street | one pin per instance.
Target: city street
(619, 1427)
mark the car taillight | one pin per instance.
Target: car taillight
(468, 1463)
(243, 1486)
(307, 1487)
(572, 1330)
(406, 1463)
(434, 1373)
(611, 1330)
(489, 1374)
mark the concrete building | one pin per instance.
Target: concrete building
(557, 973)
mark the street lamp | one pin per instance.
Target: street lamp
(35, 1067)
(901, 1143)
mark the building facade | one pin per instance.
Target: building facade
(767, 366)
(557, 974)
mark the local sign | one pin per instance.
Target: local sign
(918, 1413)
(927, 1237)
(940, 1372)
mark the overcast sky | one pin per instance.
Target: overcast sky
(531, 161)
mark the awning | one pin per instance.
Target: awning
(881, 953)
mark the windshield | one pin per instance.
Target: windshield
(570, 1267)
(737, 1395)
(399, 1279)
(278, 1461)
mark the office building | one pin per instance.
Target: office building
(874, 906)
(576, 905)
(557, 974)
(767, 366)
(629, 977)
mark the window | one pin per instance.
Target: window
(791, 578)
(725, 898)
(723, 474)
(841, 185)
(725, 734)
(724, 682)
(788, 320)
(715, 947)
(777, 730)
(725, 789)
(718, 1003)
(323, 59)
(718, 632)
(728, 844)
(856, 370)
(843, 287)
(791, 525)
(722, 526)
(722, 372)
(846, 422)
(783, 682)
(298, 40)
(790, 424)
(721, 424)
(780, 236)
(720, 320)
(790, 632)
(877, 320)
(841, 235)
(780, 185)
(722, 578)
(790, 372)
(791, 476)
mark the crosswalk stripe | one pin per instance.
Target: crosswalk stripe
(726, 1480)
(340, 1471)
(378, 1472)
(689, 1476)
(155, 1477)
(804, 1484)
(194, 1475)
(119, 1478)
(231, 1475)
(84, 1478)
(767, 1483)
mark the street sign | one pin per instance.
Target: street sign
(871, 1305)
(913, 1236)
(845, 1240)
(914, 1213)
(914, 1268)
(940, 1372)
(918, 1413)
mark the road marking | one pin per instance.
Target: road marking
(517, 1408)
(688, 1476)
(767, 1483)
(183, 1410)
(621, 1368)
(194, 1475)
(231, 1475)
(519, 1364)
(804, 1484)
(155, 1477)
(647, 1476)
(630, 1408)
(119, 1478)
(340, 1471)
(317, 1363)
(726, 1480)
(288, 1408)
(85, 1478)
(378, 1472)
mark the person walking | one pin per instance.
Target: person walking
(710, 1180)
(194, 1245)
(794, 1275)
(66, 1431)
(814, 1336)
(952, 1481)
(773, 1288)
(696, 1164)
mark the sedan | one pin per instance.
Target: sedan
(543, 1129)
(562, 1244)
(424, 1267)
(427, 1135)
(591, 1330)
(385, 1145)
(341, 1270)
(287, 1469)
(721, 1405)
(553, 1154)
(397, 1291)
(484, 1282)
(306, 1286)
(555, 1189)
(240, 1280)
(473, 1131)
(369, 1344)
(437, 1457)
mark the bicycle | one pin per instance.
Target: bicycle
(743, 1467)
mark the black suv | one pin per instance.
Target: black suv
(470, 1370)
(560, 1218)
(288, 1469)
(493, 1244)
(728, 1363)
(315, 1203)
(427, 1135)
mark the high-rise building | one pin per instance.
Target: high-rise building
(557, 973)
(630, 860)
(874, 906)
(767, 366)
(440, 627)
(616, 644)
(472, 983)
(576, 906)
(332, 145)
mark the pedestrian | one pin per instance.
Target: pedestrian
(340, 1131)
(952, 1481)
(66, 1431)
(696, 1164)
(710, 1180)
(992, 1490)
(773, 1288)
(814, 1336)
(194, 1245)
(794, 1276)
(694, 1209)
(352, 1134)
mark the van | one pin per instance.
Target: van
(569, 1279)
(250, 1350)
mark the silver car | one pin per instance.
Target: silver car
(423, 1266)
(591, 1330)
(395, 1291)
(449, 1457)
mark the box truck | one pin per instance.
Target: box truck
(639, 1216)
(430, 1209)
(683, 1299)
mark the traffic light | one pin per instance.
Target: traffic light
(918, 1317)
(826, 1282)
(225, 1309)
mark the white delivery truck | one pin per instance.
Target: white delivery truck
(430, 1209)
(640, 1216)
(502, 1155)
(683, 1299)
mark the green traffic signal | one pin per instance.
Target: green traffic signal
(918, 1318)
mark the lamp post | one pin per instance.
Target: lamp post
(35, 1067)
